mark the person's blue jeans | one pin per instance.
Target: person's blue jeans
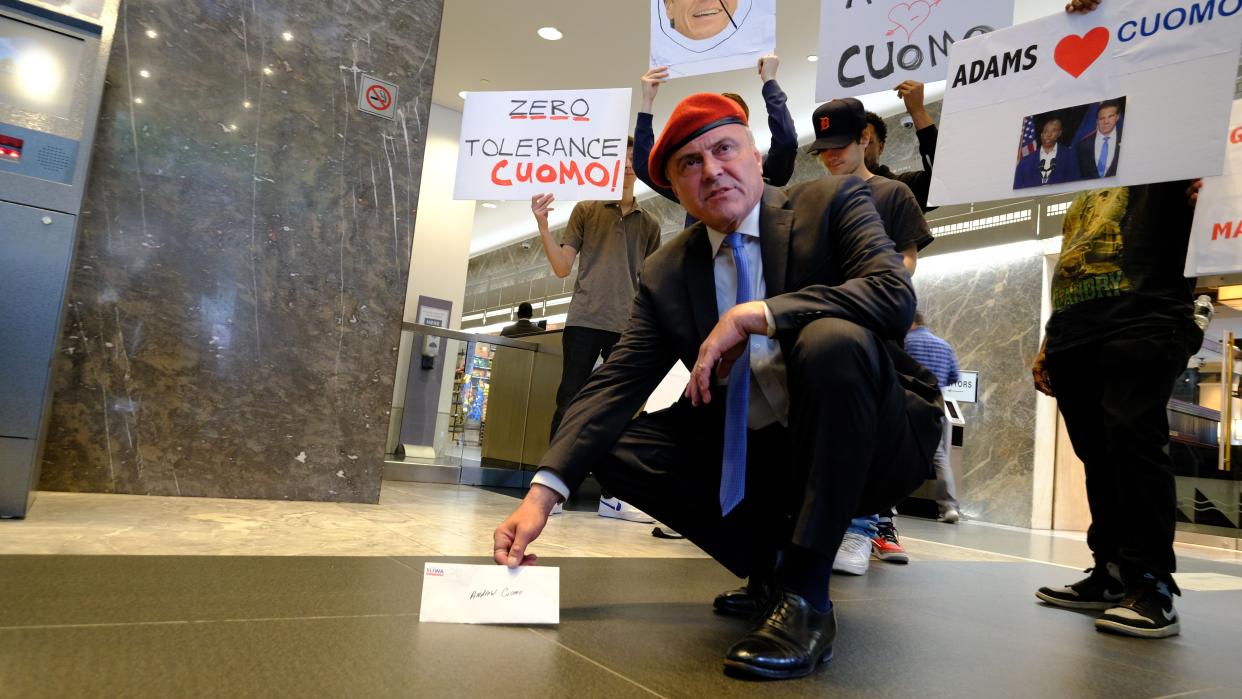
(865, 526)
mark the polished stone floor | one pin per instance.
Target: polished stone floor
(132, 596)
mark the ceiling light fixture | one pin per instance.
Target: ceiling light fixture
(267, 70)
(488, 205)
(137, 100)
(812, 58)
(287, 36)
(550, 33)
(145, 73)
(151, 34)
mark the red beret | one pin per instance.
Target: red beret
(693, 117)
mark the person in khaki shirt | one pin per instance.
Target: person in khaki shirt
(609, 240)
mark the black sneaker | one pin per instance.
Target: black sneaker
(1102, 589)
(1146, 612)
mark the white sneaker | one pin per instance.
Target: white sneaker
(557, 509)
(617, 509)
(854, 554)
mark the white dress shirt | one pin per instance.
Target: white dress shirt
(769, 395)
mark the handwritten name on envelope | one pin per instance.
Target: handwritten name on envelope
(490, 594)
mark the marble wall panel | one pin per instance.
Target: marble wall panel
(234, 310)
(987, 307)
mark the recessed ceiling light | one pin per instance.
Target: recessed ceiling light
(462, 94)
(232, 127)
(267, 70)
(485, 82)
(145, 73)
(550, 33)
(488, 205)
(246, 104)
(287, 36)
(151, 34)
(137, 100)
(812, 58)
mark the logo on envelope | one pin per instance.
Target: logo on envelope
(435, 572)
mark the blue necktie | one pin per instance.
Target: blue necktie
(733, 470)
(1102, 163)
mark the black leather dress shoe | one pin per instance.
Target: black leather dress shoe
(791, 641)
(747, 601)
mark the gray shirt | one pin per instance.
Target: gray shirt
(611, 249)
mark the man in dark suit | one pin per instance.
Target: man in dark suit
(1098, 153)
(1051, 163)
(795, 298)
(523, 326)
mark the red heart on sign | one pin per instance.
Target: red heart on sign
(909, 16)
(1075, 54)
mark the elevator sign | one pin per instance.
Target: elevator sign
(966, 390)
(377, 97)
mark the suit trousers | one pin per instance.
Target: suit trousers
(1113, 396)
(848, 449)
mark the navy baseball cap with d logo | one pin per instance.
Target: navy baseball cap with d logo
(837, 124)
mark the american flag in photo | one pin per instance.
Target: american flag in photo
(1028, 138)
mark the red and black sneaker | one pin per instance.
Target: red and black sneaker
(886, 546)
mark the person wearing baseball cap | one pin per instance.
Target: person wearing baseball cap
(786, 304)
(841, 142)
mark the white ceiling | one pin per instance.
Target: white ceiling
(605, 45)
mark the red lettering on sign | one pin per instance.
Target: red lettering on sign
(562, 172)
(1075, 54)
(1223, 230)
(570, 171)
(1236, 136)
(601, 171)
(495, 171)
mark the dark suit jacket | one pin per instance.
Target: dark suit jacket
(1066, 169)
(520, 328)
(825, 254)
(1089, 153)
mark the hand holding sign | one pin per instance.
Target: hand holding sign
(1082, 6)
(651, 81)
(540, 205)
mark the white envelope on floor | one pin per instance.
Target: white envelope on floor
(455, 593)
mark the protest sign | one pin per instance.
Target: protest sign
(694, 37)
(867, 46)
(1216, 236)
(570, 143)
(1135, 92)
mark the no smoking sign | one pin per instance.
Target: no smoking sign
(377, 97)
